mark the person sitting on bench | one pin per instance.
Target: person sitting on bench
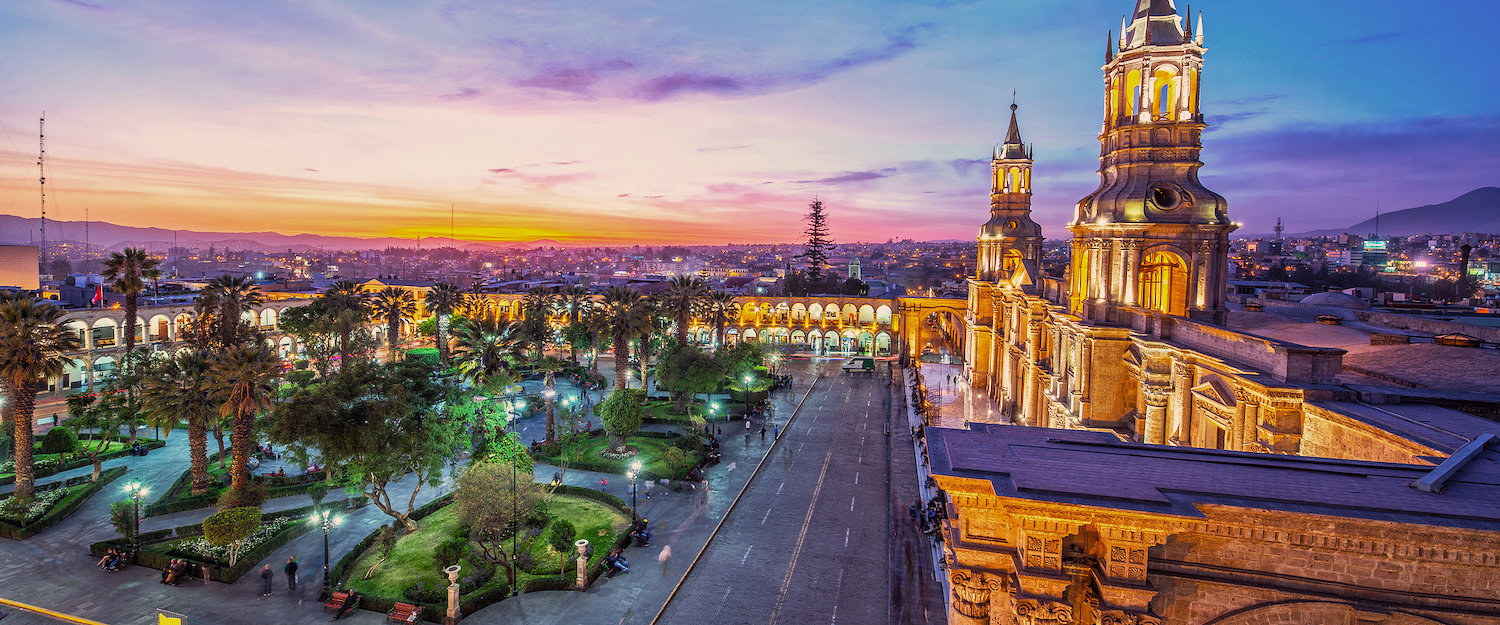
(350, 602)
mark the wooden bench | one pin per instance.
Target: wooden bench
(336, 601)
(404, 613)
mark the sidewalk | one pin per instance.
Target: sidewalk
(53, 569)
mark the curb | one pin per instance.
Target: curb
(732, 504)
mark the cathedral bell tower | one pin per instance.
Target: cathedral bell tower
(1010, 240)
(1151, 235)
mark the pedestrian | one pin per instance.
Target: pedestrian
(603, 483)
(265, 581)
(664, 557)
(762, 433)
(747, 424)
(775, 431)
(648, 490)
(291, 574)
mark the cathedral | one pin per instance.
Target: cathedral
(1182, 463)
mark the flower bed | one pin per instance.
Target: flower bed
(201, 550)
(412, 572)
(179, 497)
(649, 446)
(64, 496)
(46, 465)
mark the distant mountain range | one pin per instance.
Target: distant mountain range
(23, 230)
(1475, 211)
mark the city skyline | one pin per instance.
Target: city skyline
(622, 123)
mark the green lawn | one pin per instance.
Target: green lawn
(412, 558)
(39, 459)
(648, 453)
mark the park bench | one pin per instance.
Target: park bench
(404, 613)
(336, 601)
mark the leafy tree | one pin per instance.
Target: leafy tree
(33, 342)
(815, 251)
(855, 286)
(122, 518)
(677, 459)
(372, 424)
(509, 449)
(97, 423)
(574, 303)
(394, 306)
(742, 358)
(231, 527)
(243, 381)
(688, 371)
(493, 498)
(180, 389)
(59, 441)
(622, 413)
(128, 271)
(317, 334)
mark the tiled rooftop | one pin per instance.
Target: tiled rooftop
(1096, 469)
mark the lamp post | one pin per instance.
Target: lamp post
(326, 520)
(634, 472)
(747, 396)
(137, 492)
(515, 528)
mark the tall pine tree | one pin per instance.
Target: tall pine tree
(815, 252)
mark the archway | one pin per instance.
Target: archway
(883, 344)
(105, 333)
(1164, 283)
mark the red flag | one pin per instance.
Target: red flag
(98, 294)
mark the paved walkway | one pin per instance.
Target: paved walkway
(53, 569)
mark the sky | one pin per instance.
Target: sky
(702, 121)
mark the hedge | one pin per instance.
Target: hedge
(219, 573)
(479, 599)
(54, 469)
(63, 508)
(175, 499)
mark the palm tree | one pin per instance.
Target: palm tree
(537, 305)
(178, 389)
(243, 381)
(482, 344)
(128, 272)
(651, 336)
(549, 367)
(574, 303)
(394, 306)
(346, 302)
(684, 293)
(224, 302)
(32, 347)
(719, 307)
(627, 315)
(442, 301)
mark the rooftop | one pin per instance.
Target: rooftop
(1085, 468)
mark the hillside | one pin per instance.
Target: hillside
(1475, 211)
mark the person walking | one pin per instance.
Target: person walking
(291, 573)
(775, 431)
(664, 557)
(265, 581)
(762, 433)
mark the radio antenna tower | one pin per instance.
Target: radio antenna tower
(1279, 228)
(41, 167)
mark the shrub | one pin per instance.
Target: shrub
(418, 592)
(300, 377)
(122, 517)
(59, 441)
(451, 550)
(231, 527)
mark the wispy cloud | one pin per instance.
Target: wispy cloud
(467, 93)
(851, 177)
(82, 5)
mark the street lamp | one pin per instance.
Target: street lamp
(635, 470)
(326, 520)
(137, 492)
(747, 396)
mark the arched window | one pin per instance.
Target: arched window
(1164, 283)
(1132, 92)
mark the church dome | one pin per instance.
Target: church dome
(1335, 298)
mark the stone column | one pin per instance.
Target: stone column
(1181, 404)
(582, 581)
(1243, 420)
(978, 598)
(1156, 414)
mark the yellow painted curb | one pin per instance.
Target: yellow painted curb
(60, 615)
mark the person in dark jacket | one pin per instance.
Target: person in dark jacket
(291, 573)
(265, 581)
